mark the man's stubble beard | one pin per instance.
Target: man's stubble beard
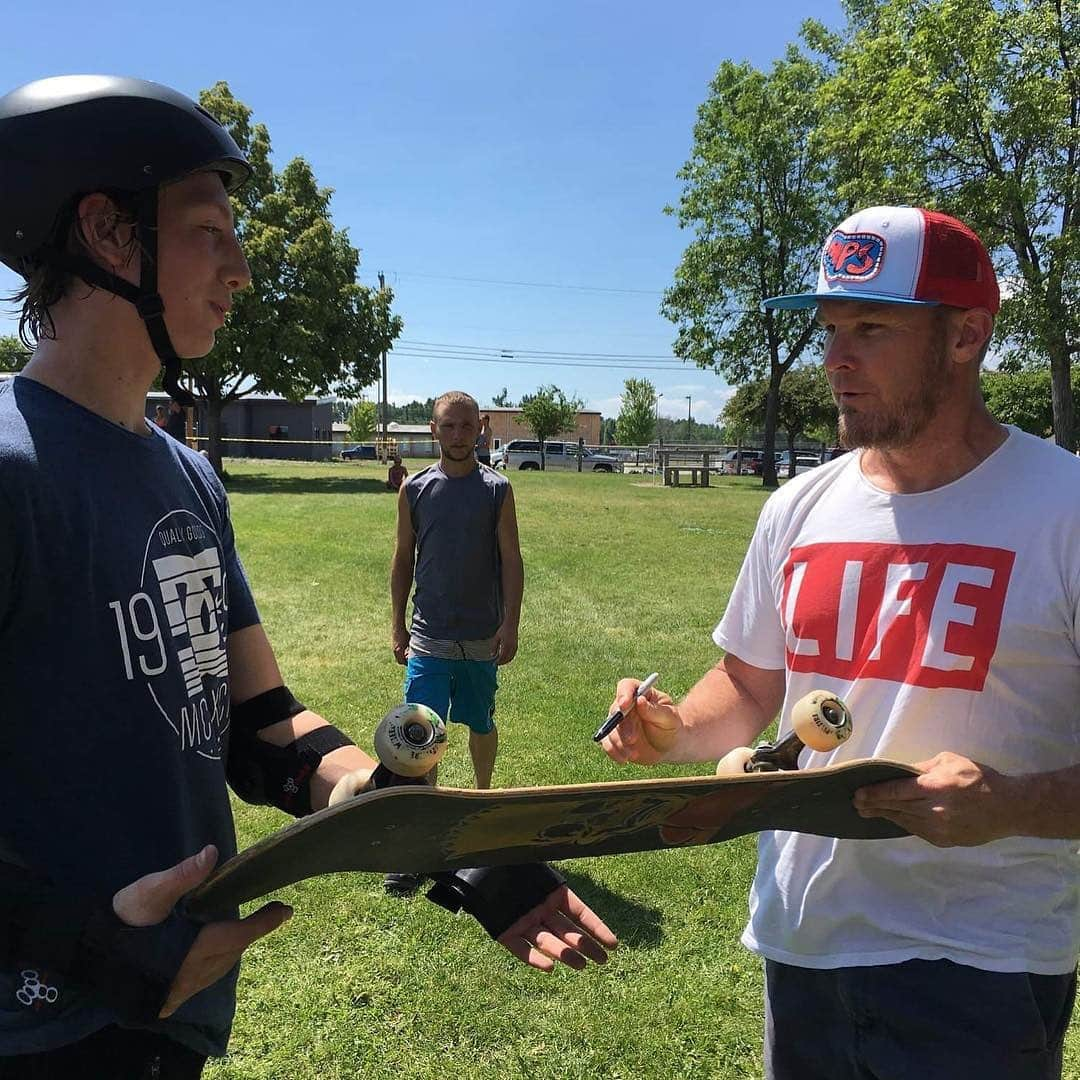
(449, 454)
(907, 418)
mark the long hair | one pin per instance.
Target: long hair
(45, 283)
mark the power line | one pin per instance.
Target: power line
(466, 358)
(554, 353)
(530, 284)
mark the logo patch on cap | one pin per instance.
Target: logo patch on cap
(852, 256)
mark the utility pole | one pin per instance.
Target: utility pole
(689, 416)
(385, 404)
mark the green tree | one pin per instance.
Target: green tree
(973, 107)
(13, 353)
(607, 430)
(549, 412)
(1023, 398)
(362, 421)
(679, 431)
(805, 408)
(414, 412)
(744, 411)
(305, 325)
(759, 196)
(502, 399)
(636, 424)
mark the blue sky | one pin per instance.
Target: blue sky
(504, 164)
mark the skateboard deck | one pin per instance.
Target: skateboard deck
(429, 829)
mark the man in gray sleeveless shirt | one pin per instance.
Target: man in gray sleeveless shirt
(457, 536)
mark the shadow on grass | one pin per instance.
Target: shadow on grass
(268, 484)
(634, 924)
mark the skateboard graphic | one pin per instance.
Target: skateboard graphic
(422, 829)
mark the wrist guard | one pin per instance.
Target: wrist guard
(496, 896)
(280, 776)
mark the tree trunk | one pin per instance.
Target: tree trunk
(213, 433)
(772, 409)
(1061, 395)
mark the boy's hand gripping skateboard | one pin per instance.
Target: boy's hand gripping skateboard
(423, 829)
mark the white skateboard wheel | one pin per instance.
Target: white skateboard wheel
(734, 762)
(821, 720)
(410, 740)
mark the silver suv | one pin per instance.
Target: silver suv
(525, 454)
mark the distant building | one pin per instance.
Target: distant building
(268, 427)
(272, 427)
(413, 440)
(506, 425)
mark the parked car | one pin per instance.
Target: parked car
(740, 462)
(358, 453)
(498, 455)
(803, 463)
(525, 454)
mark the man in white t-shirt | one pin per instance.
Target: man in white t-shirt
(932, 580)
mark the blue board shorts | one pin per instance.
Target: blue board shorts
(460, 691)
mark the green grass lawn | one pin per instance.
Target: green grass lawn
(623, 577)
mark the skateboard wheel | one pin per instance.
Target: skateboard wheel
(734, 762)
(410, 740)
(821, 720)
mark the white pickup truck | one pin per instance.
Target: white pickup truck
(525, 454)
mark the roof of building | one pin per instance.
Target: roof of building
(517, 409)
(408, 429)
(311, 399)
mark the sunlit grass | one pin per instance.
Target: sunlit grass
(623, 577)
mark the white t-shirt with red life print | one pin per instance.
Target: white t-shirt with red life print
(947, 620)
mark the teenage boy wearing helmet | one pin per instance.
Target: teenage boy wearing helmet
(137, 677)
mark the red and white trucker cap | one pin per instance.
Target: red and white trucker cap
(902, 255)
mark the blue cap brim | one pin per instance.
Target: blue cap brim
(809, 300)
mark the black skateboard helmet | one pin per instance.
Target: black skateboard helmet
(69, 136)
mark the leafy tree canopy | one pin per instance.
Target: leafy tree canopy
(759, 196)
(362, 421)
(549, 412)
(13, 353)
(972, 107)
(305, 325)
(636, 424)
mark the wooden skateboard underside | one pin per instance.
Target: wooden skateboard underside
(427, 830)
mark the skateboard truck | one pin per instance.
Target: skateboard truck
(819, 721)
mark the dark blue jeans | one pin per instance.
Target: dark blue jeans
(922, 1020)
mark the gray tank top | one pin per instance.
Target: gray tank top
(458, 573)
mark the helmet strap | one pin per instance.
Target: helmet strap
(150, 306)
(145, 297)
